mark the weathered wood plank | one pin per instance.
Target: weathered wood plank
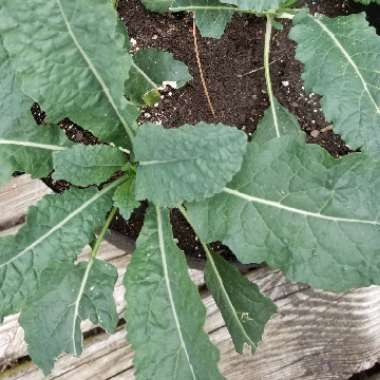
(116, 250)
(315, 335)
(16, 197)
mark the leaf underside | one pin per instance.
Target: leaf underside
(211, 19)
(259, 6)
(244, 309)
(78, 292)
(187, 163)
(72, 76)
(160, 6)
(341, 58)
(298, 209)
(56, 230)
(165, 306)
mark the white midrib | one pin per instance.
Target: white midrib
(268, 39)
(60, 224)
(280, 206)
(29, 144)
(77, 303)
(228, 299)
(349, 59)
(146, 77)
(170, 294)
(220, 281)
(93, 69)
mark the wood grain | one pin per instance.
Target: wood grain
(314, 336)
(16, 197)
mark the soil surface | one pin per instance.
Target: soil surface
(233, 68)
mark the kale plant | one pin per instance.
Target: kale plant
(275, 200)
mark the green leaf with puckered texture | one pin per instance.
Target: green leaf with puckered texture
(85, 165)
(81, 72)
(211, 16)
(244, 308)
(67, 295)
(124, 198)
(160, 6)
(150, 70)
(165, 314)
(24, 145)
(56, 230)
(341, 58)
(298, 209)
(188, 163)
(277, 121)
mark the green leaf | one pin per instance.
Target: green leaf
(277, 121)
(160, 6)
(187, 163)
(244, 309)
(81, 72)
(24, 145)
(5, 173)
(151, 69)
(296, 208)
(367, 2)
(211, 16)
(56, 230)
(124, 198)
(341, 58)
(165, 314)
(77, 292)
(85, 165)
(260, 6)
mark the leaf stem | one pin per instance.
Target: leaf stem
(268, 38)
(102, 233)
(200, 69)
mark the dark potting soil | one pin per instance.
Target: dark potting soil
(233, 68)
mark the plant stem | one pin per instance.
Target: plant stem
(102, 233)
(204, 245)
(268, 38)
(199, 63)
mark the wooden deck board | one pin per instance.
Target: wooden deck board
(314, 336)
